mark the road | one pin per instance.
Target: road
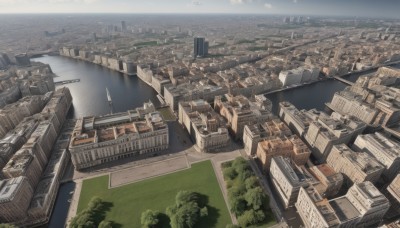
(289, 216)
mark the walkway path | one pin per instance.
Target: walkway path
(148, 168)
(143, 172)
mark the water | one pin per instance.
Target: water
(90, 98)
(128, 92)
(89, 95)
(307, 97)
(61, 207)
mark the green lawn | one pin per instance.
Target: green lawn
(129, 201)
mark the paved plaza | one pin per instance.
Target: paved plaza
(143, 172)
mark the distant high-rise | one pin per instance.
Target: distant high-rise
(123, 26)
(200, 47)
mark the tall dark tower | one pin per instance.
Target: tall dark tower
(123, 26)
(200, 47)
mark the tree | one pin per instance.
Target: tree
(105, 224)
(186, 211)
(251, 182)
(240, 165)
(229, 173)
(247, 218)
(232, 226)
(244, 175)
(239, 161)
(237, 205)
(236, 191)
(7, 225)
(255, 197)
(260, 216)
(149, 218)
(95, 203)
(184, 197)
(91, 217)
(186, 216)
(84, 219)
(204, 212)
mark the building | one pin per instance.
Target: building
(349, 103)
(287, 179)
(393, 194)
(330, 181)
(11, 115)
(255, 133)
(15, 196)
(207, 128)
(298, 121)
(98, 140)
(15, 139)
(386, 151)
(291, 147)
(188, 92)
(24, 163)
(200, 47)
(395, 224)
(123, 26)
(357, 167)
(314, 210)
(370, 202)
(45, 194)
(291, 77)
(327, 131)
(240, 111)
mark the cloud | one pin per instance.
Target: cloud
(295, 1)
(237, 2)
(268, 6)
(12, 2)
(196, 3)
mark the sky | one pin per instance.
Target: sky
(356, 8)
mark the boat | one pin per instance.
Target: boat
(69, 201)
(71, 192)
(108, 96)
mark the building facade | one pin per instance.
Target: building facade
(327, 131)
(386, 151)
(291, 147)
(207, 128)
(15, 196)
(98, 140)
(240, 111)
(255, 133)
(287, 179)
(358, 167)
(393, 195)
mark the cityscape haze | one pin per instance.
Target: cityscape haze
(199, 113)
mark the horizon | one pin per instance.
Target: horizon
(327, 8)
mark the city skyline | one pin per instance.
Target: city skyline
(352, 8)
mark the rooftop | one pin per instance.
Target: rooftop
(115, 128)
(344, 209)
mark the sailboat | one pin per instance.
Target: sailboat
(108, 96)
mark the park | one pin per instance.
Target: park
(125, 204)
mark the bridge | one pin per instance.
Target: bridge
(343, 80)
(66, 82)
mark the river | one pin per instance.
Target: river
(129, 92)
(89, 95)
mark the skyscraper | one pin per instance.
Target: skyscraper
(123, 26)
(200, 47)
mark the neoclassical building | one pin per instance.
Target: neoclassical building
(205, 126)
(98, 140)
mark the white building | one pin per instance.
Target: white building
(356, 166)
(386, 151)
(97, 140)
